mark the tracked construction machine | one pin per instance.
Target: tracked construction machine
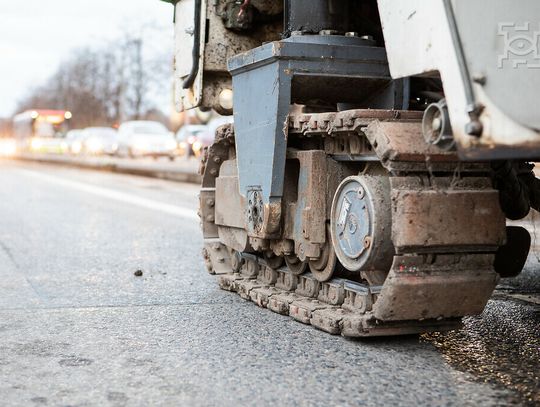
(378, 148)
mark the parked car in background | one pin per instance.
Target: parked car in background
(140, 138)
(48, 145)
(74, 141)
(192, 138)
(99, 141)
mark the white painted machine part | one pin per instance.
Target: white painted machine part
(419, 42)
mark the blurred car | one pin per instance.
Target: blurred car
(74, 141)
(140, 138)
(48, 145)
(99, 141)
(192, 138)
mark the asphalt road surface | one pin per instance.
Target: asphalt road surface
(77, 327)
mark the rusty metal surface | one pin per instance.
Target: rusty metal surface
(281, 77)
(308, 286)
(235, 238)
(358, 326)
(286, 281)
(250, 266)
(216, 254)
(221, 44)
(346, 121)
(430, 288)
(214, 155)
(305, 217)
(429, 218)
(443, 286)
(394, 137)
(401, 141)
(302, 310)
(353, 320)
(207, 198)
(328, 319)
(332, 292)
(228, 198)
(261, 296)
(357, 297)
(401, 147)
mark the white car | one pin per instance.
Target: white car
(141, 138)
(74, 140)
(99, 141)
(192, 138)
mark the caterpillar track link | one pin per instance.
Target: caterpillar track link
(383, 234)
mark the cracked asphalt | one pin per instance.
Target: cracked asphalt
(79, 328)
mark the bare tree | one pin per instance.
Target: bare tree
(108, 84)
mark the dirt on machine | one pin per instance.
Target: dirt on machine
(377, 150)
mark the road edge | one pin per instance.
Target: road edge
(124, 168)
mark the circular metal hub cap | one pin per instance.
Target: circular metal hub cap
(361, 223)
(353, 224)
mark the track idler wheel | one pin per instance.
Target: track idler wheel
(295, 265)
(326, 266)
(236, 260)
(272, 260)
(361, 224)
(323, 268)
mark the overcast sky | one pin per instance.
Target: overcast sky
(35, 35)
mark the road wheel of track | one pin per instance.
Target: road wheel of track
(295, 265)
(272, 260)
(324, 268)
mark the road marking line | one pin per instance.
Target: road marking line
(116, 195)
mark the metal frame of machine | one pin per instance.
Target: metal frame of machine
(341, 196)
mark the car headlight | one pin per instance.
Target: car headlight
(170, 145)
(36, 144)
(197, 146)
(94, 145)
(76, 147)
(8, 148)
(140, 146)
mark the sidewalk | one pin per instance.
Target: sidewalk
(180, 170)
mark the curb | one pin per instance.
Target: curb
(177, 175)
